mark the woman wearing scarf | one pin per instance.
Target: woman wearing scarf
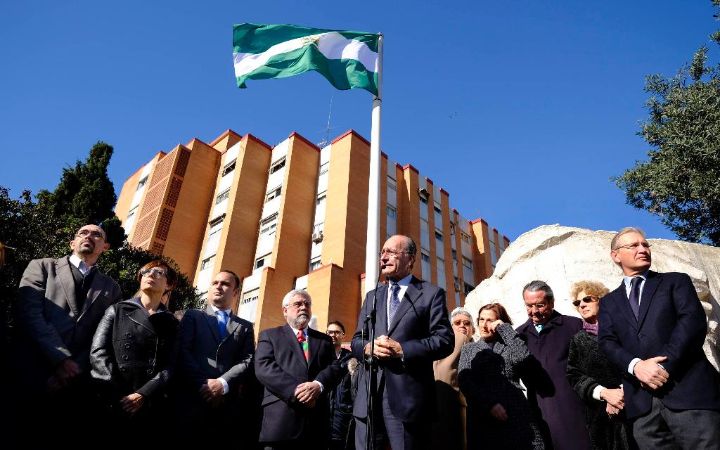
(592, 376)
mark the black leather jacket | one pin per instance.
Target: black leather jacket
(132, 351)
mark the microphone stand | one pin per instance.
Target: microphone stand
(371, 368)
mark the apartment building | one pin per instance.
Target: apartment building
(294, 215)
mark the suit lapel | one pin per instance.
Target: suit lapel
(411, 296)
(233, 324)
(651, 284)
(381, 324)
(64, 274)
(314, 347)
(212, 322)
(624, 303)
(141, 318)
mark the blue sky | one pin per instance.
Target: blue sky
(522, 110)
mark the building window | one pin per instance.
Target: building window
(465, 237)
(392, 183)
(132, 212)
(249, 297)
(273, 194)
(324, 168)
(315, 263)
(207, 262)
(217, 221)
(425, 257)
(438, 235)
(321, 198)
(453, 252)
(277, 165)
(423, 200)
(142, 182)
(391, 211)
(229, 167)
(222, 196)
(260, 262)
(437, 209)
(467, 263)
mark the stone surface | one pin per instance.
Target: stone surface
(562, 255)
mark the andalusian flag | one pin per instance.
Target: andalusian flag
(348, 59)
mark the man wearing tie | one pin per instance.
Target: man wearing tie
(298, 367)
(412, 330)
(652, 327)
(215, 368)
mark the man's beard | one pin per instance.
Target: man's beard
(86, 249)
(301, 321)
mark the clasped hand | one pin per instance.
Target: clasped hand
(306, 393)
(651, 374)
(385, 348)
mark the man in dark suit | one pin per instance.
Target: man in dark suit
(215, 367)
(340, 398)
(412, 330)
(547, 334)
(59, 305)
(652, 327)
(298, 367)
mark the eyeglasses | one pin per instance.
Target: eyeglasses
(155, 272)
(393, 253)
(334, 332)
(588, 299)
(634, 246)
(92, 233)
(298, 305)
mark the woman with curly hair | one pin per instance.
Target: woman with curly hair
(592, 376)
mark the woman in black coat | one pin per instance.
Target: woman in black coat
(132, 350)
(498, 413)
(592, 376)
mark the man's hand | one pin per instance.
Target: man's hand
(212, 391)
(613, 397)
(307, 393)
(498, 412)
(132, 403)
(64, 373)
(611, 410)
(650, 373)
(386, 348)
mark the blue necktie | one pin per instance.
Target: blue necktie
(222, 318)
(394, 301)
(635, 296)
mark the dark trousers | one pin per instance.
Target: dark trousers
(662, 428)
(400, 435)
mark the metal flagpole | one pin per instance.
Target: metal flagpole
(372, 244)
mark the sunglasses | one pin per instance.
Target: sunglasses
(588, 299)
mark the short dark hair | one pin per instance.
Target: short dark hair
(338, 323)
(234, 275)
(170, 274)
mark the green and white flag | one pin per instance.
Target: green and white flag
(348, 59)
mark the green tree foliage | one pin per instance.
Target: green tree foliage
(681, 180)
(44, 228)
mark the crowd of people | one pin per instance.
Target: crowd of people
(94, 369)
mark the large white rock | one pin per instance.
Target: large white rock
(562, 255)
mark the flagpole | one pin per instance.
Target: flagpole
(372, 243)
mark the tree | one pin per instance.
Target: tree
(681, 180)
(44, 228)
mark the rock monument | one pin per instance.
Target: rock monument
(562, 255)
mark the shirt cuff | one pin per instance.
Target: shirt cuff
(631, 367)
(596, 392)
(226, 387)
(322, 388)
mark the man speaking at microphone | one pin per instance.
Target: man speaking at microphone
(411, 331)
